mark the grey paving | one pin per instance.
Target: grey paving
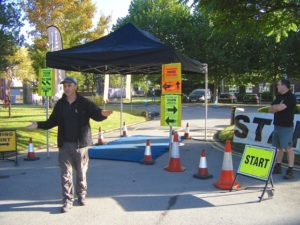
(122, 193)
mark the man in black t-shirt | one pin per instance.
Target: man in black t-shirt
(284, 107)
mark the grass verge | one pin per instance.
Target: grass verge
(25, 114)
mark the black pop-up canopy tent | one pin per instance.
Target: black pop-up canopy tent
(128, 50)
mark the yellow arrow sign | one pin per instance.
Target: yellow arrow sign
(170, 110)
(46, 82)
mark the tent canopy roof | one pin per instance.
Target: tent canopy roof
(128, 50)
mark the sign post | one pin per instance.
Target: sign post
(258, 162)
(46, 88)
(8, 142)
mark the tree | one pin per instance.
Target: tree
(258, 17)
(73, 18)
(10, 25)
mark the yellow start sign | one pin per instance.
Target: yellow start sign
(257, 162)
(8, 140)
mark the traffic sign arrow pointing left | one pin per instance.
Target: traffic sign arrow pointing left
(168, 121)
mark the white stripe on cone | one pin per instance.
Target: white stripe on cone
(202, 163)
(30, 147)
(227, 161)
(147, 150)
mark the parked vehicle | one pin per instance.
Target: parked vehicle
(251, 98)
(198, 95)
(297, 94)
(227, 98)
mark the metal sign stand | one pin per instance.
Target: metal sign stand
(47, 132)
(265, 187)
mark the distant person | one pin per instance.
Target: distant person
(284, 107)
(153, 94)
(71, 114)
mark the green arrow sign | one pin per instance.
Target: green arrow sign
(46, 82)
(171, 110)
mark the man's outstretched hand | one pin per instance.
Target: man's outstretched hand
(106, 113)
(32, 126)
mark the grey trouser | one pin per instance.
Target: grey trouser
(69, 157)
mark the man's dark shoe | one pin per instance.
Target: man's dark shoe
(66, 207)
(81, 201)
(277, 169)
(289, 174)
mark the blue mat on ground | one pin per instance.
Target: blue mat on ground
(130, 148)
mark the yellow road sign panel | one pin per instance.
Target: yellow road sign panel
(8, 140)
(171, 78)
(257, 162)
(170, 110)
(46, 82)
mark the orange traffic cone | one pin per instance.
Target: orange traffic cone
(227, 176)
(31, 154)
(100, 137)
(125, 132)
(187, 132)
(174, 162)
(203, 170)
(147, 155)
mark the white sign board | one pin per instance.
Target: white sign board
(257, 128)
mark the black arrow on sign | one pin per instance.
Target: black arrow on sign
(178, 84)
(48, 82)
(168, 120)
(44, 83)
(166, 86)
(174, 109)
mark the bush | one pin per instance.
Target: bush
(98, 100)
(227, 133)
(266, 96)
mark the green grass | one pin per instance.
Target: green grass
(138, 100)
(21, 116)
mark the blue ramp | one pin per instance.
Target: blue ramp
(130, 148)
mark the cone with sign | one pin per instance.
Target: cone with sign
(148, 155)
(187, 132)
(125, 131)
(30, 152)
(100, 137)
(203, 170)
(174, 162)
(227, 175)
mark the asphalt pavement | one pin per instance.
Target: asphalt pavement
(130, 193)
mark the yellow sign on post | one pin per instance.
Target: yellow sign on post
(257, 162)
(8, 140)
(170, 110)
(46, 82)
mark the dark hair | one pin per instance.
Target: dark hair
(286, 82)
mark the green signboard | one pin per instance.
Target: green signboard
(171, 110)
(46, 82)
(257, 162)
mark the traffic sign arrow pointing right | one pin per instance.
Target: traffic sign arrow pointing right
(174, 109)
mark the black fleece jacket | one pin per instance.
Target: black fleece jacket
(86, 110)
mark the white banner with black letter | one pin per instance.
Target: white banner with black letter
(257, 129)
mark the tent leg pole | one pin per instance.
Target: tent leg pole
(206, 94)
(121, 105)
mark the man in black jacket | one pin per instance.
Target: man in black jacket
(72, 114)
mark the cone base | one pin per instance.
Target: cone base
(174, 165)
(151, 162)
(32, 159)
(187, 137)
(226, 186)
(203, 177)
(101, 143)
